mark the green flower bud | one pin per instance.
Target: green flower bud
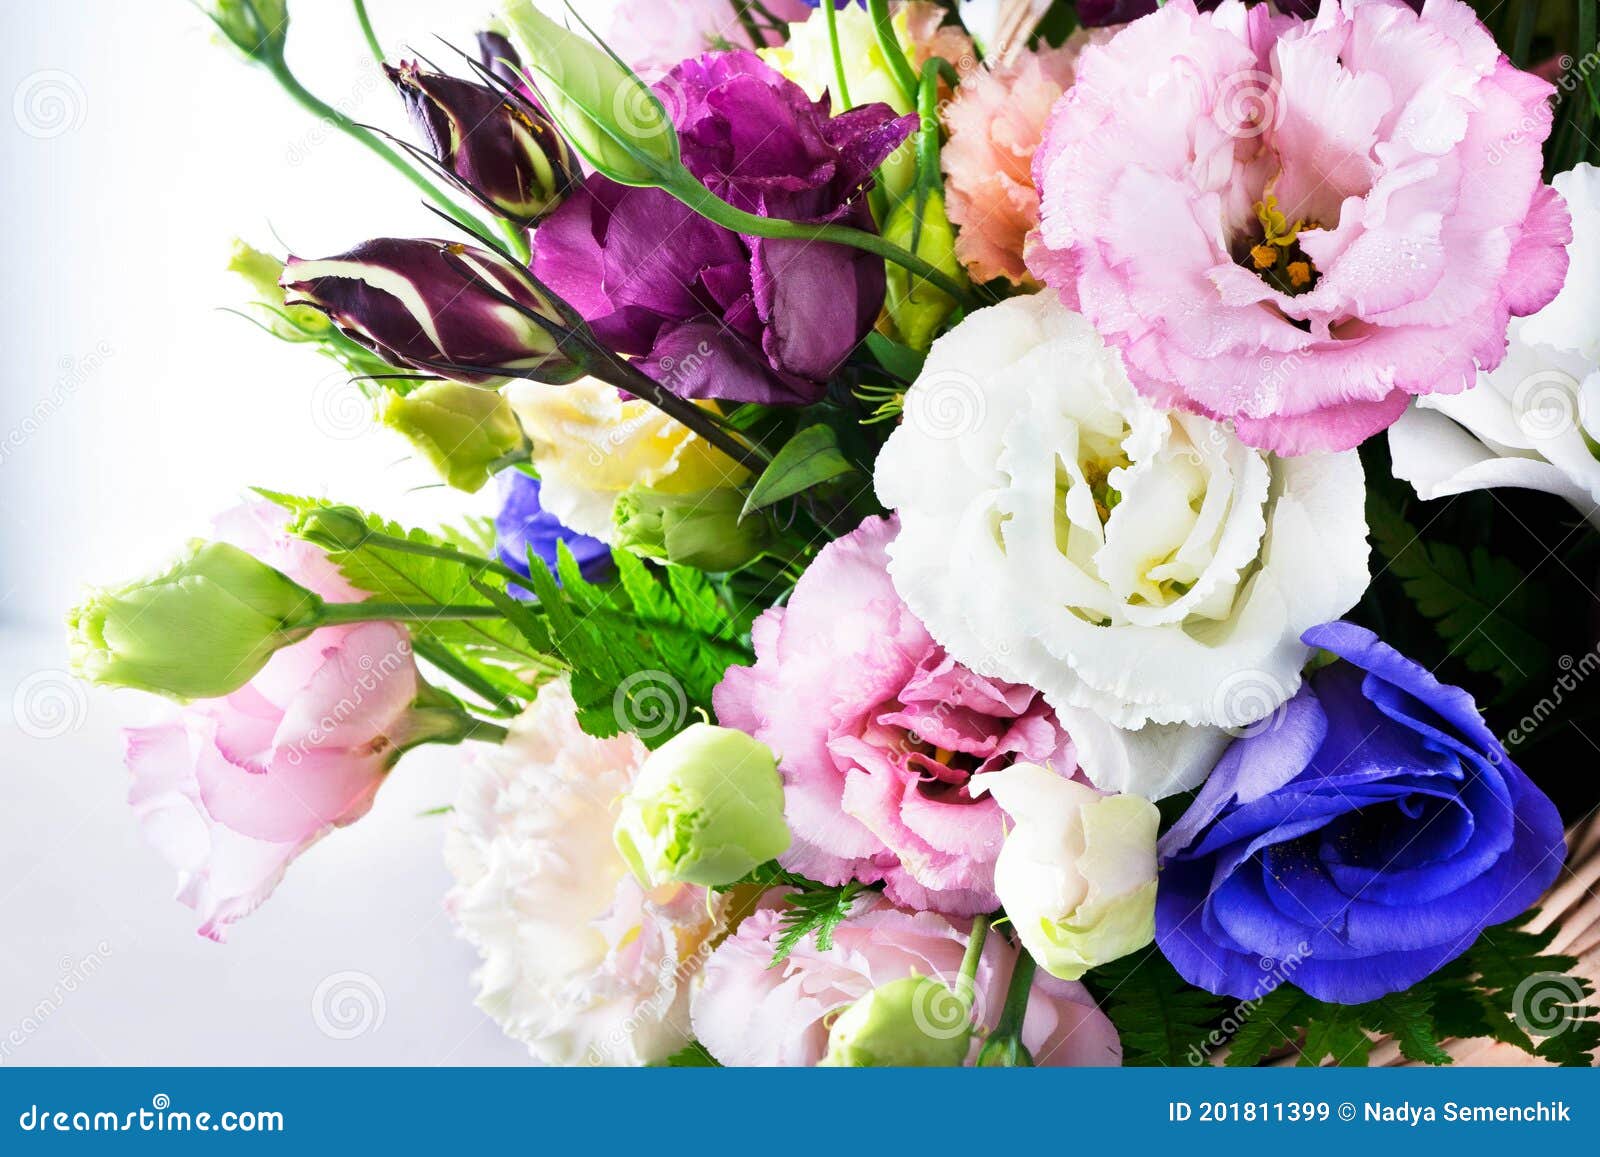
(1004, 1052)
(707, 808)
(468, 432)
(916, 308)
(262, 271)
(702, 530)
(256, 28)
(333, 528)
(605, 112)
(916, 1022)
(199, 630)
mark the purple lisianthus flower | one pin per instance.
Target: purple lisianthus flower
(707, 312)
(524, 526)
(1359, 843)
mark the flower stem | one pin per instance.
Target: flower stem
(622, 374)
(703, 201)
(366, 29)
(967, 981)
(399, 545)
(831, 15)
(486, 732)
(1017, 993)
(334, 614)
(324, 111)
(893, 55)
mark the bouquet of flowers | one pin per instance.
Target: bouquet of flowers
(932, 616)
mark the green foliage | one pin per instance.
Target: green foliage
(490, 651)
(1492, 991)
(1161, 1018)
(814, 909)
(691, 1056)
(1480, 605)
(811, 458)
(642, 652)
(1337, 1032)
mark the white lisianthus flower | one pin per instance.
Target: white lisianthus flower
(1141, 568)
(580, 962)
(1077, 873)
(1534, 422)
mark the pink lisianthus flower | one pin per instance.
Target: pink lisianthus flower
(231, 790)
(996, 121)
(879, 731)
(655, 35)
(747, 1012)
(1297, 225)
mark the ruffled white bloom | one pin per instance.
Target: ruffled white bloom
(590, 444)
(580, 963)
(1077, 873)
(1534, 422)
(1144, 567)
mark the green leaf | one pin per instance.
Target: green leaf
(900, 360)
(1267, 1025)
(808, 459)
(813, 910)
(1161, 1018)
(1480, 604)
(691, 1056)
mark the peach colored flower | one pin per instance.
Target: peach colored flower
(996, 122)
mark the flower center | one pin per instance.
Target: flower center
(1276, 257)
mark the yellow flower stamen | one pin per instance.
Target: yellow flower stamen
(1265, 256)
(1299, 274)
(1275, 226)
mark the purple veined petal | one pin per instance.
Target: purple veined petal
(438, 306)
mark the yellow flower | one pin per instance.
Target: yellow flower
(589, 446)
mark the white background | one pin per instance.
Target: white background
(131, 409)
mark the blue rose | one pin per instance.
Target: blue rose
(1359, 843)
(524, 525)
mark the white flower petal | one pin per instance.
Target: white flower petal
(1135, 563)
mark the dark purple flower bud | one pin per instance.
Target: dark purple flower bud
(497, 146)
(442, 308)
(499, 57)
